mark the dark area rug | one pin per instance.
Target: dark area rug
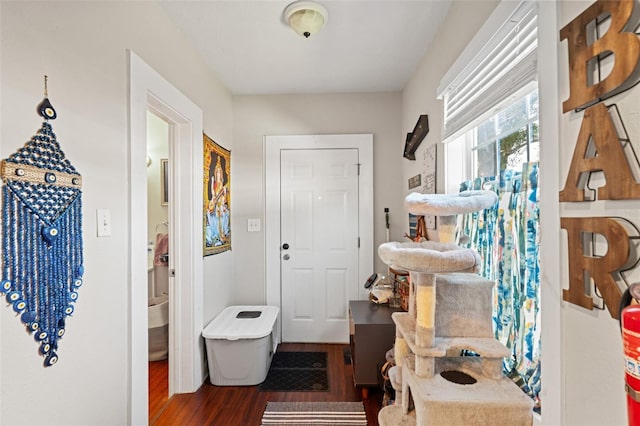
(297, 371)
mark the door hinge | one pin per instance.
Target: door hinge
(358, 164)
(358, 242)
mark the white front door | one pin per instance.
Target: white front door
(319, 243)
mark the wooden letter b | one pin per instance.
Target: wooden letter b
(624, 45)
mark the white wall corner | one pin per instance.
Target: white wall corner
(552, 377)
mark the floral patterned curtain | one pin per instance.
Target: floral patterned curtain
(507, 238)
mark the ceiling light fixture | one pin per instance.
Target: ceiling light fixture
(306, 17)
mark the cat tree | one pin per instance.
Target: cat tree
(448, 363)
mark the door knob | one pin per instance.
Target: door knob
(285, 246)
(285, 257)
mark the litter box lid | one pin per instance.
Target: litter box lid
(242, 322)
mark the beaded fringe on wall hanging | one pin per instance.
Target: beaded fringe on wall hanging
(41, 236)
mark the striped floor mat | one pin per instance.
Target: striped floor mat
(314, 413)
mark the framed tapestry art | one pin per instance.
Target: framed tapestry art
(217, 198)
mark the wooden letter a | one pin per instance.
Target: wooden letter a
(611, 160)
(598, 268)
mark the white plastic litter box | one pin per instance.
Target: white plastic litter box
(240, 343)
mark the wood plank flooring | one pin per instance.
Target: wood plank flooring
(244, 405)
(158, 388)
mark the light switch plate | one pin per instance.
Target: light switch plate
(103, 222)
(253, 225)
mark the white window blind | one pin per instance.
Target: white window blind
(498, 62)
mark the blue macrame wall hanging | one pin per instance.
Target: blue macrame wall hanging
(42, 264)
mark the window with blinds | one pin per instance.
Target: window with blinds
(498, 64)
(491, 142)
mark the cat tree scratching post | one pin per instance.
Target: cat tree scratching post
(431, 375)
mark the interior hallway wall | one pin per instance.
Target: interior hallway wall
(257, 116)
(592, 360)
(82, 47)
(419, 96)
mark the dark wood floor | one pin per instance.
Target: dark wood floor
(158, 388)
(244, 405)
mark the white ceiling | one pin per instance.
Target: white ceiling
(366, 45)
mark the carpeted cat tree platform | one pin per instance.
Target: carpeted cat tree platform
(448, 363)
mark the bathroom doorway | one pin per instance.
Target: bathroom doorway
(158, 243)
(148, 90)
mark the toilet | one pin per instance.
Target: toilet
(158, 309)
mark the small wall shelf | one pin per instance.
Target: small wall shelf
(415, 138)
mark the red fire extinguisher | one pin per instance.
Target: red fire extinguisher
(630, 324)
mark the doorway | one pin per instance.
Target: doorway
(308, 146)
(158, 247)
(150, 91)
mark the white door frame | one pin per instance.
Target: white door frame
(272, 146)
(149, 90)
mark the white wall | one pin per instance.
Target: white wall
(419, 96)
(593, 363)
(552, 379)
(82, 46)
(256, 116)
